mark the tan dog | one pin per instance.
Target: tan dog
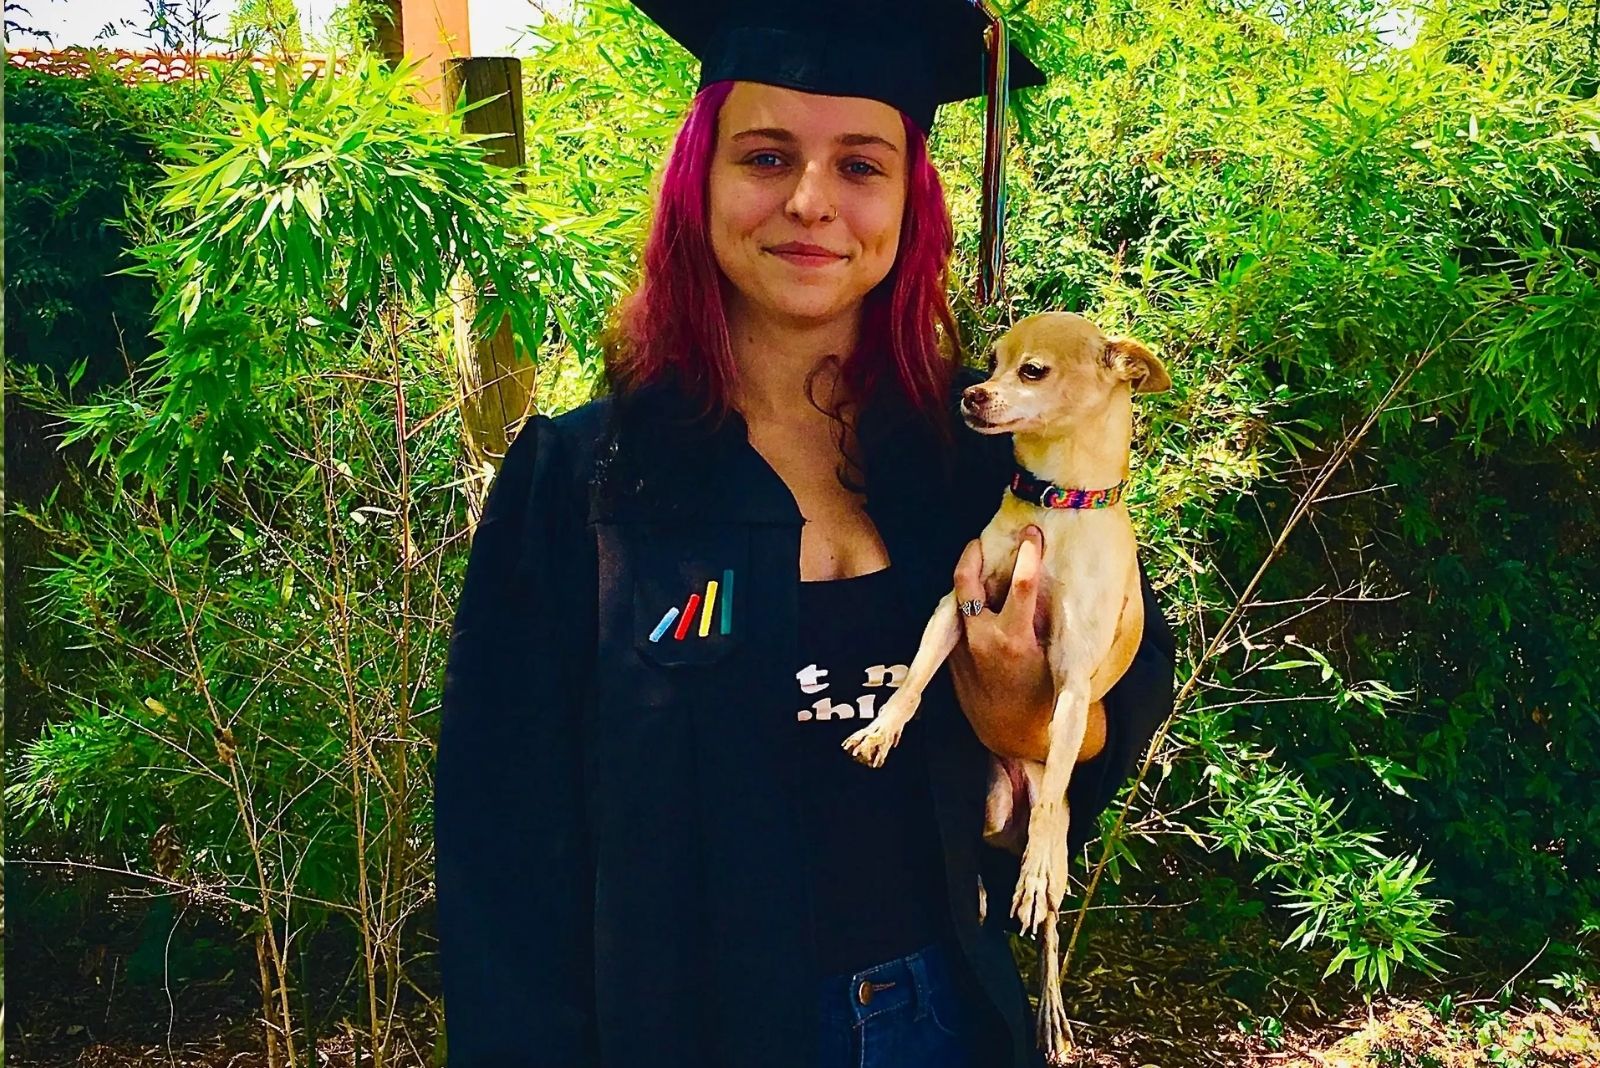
(1064, 391)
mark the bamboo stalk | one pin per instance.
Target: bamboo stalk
(274, 1058)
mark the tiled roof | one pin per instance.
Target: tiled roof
(135, 66)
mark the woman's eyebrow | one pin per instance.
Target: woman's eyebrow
(865, 139)
(777, 133)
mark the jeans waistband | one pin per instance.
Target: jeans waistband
(890, 985)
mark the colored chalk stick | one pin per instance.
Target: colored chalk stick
(727, 601)
(705, 613)
(687, 617)
(666, 621)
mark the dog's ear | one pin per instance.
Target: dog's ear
(1130, 361)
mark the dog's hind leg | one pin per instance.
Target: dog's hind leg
(1054, 1031)
(871, 745)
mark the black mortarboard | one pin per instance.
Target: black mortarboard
(912, 54)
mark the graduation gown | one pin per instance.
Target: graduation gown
(619, 872)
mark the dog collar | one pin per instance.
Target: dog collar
(1047, 494)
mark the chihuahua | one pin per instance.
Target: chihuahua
(1064, 392)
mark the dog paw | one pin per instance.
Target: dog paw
(1041, 882)
(1054, 1032)
(1031, 902)
(871, 745)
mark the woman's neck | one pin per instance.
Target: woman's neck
(772, 359)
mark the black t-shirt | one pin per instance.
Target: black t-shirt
(875, 865)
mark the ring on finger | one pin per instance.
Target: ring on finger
(972, 607)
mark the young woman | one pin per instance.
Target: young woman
(681, 599)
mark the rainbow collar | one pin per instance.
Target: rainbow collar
(1047, 494)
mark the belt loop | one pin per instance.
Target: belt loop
(921, 983)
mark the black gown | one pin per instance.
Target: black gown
(619, 855)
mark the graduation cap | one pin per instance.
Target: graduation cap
(911, 54)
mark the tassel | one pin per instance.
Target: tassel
(992, 240)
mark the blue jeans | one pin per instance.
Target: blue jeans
(903, 1013)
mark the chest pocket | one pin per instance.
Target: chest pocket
(689, 591)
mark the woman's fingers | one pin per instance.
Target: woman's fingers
(969, 577)
(1017, 615)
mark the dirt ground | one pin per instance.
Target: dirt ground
(1152, 988)
(1408, 1034)
(1150, 985)
(1401, 1034)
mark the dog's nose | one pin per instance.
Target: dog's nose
(973, 398)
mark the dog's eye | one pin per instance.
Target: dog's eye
(1032, 372)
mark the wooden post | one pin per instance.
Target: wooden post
(428, 30)
(496, 388)
(497, 79)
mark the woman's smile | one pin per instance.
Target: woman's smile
(805, 255)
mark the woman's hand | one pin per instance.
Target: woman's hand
(998, 668)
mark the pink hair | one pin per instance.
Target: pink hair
(672, 324)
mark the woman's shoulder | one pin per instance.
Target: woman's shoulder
(584, 423)
(566, 440)
(546, 467)
(983, 461)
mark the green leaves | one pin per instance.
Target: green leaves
(245, 658)
(1389, 772)
(1372, 908)
(293, 220)
(1381, 920)
(1339, 203)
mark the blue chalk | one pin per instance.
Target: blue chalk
(666, 621)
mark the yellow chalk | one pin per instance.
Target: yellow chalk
(705, 613)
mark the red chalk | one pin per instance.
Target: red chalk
(688, 616)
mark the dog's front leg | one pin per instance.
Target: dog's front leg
(1042, 881)
(871, 745)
